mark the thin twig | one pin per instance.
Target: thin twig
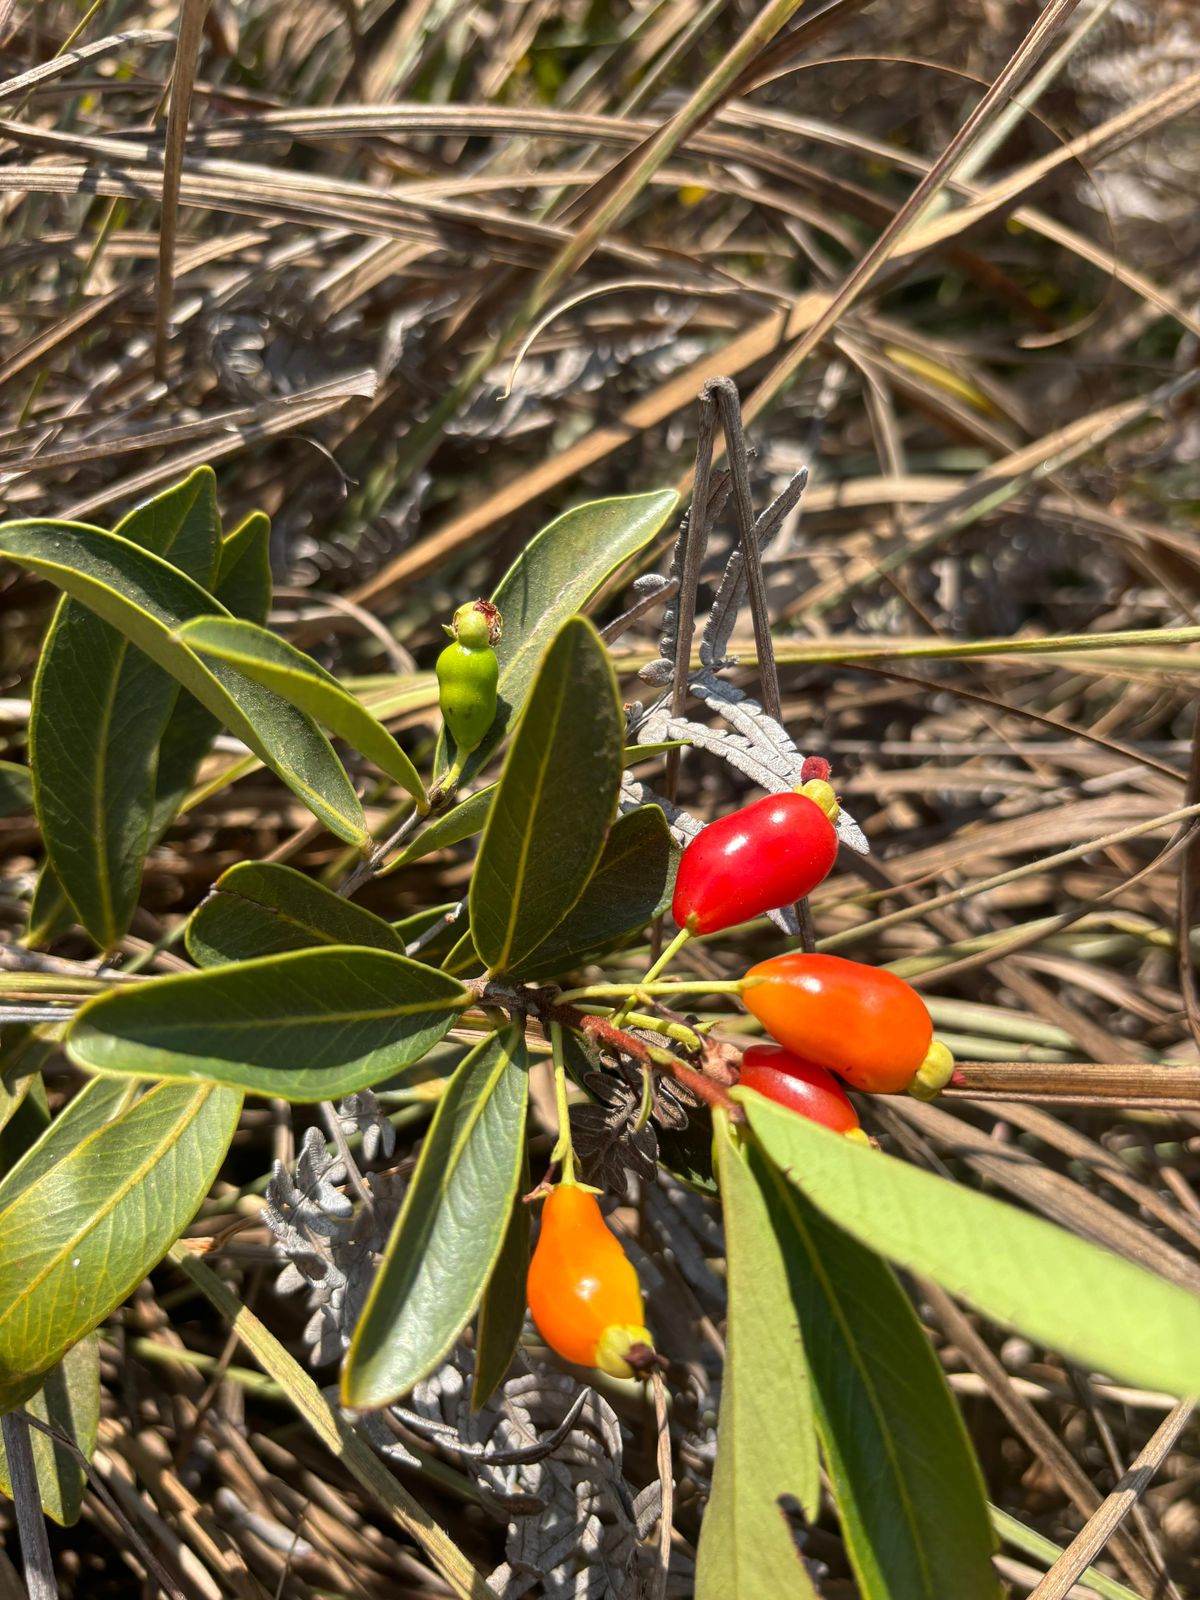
(666, 1479)
(36, 1560)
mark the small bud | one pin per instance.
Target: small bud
(815, 767)
(477, 624)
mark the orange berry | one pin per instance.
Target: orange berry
(583, 1291)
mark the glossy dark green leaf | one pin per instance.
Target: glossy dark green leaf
(449, 1233)
(905, 1481)
(147, 600)
(261, 908)
(631, 884)
(100, 708)
(452, 827)
(554, 803)
(463, 959)
(260, 655)
(1099, 1309)
(69, 1401)
(85, 1233)
(243, 586)
(766, 1437)
(16, 790)
(98, 1102)
(555, 575)
(306, 1025)
(502, 1309)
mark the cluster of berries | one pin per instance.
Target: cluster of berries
(831, 1019)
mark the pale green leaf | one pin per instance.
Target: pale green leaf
(766, 1463)
(69, 1401)
(85, 1233)
(905, 1482)
(1098, 1309)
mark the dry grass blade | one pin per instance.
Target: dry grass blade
(1043, 31)
(187, 55)
(1092, 1538)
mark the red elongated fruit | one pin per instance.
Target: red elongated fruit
(766, 855)
(865, 1024)
(582, 1289)
(800, 1086)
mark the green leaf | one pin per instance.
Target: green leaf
(243, 586)
(1096, 1308)
(555, 576)
(502, 1309)
(452, 827)
(306, 1025)
(766, 1438)
(98, 1102)
(630, 886)
(449, 1233)
(906, 1484)
(462, 958)
(99, 711)
(81, 1237)
(50, 912)
(24, 1109)
(148, 600)
(69, 1401)
(260, 655)
(16, 789)
(554, 803)
(260, 908)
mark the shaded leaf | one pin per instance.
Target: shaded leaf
(502, 1309)
(766, 1439)
(262, 656)
(555, 576)
(261, 908)
(631, 884)
(99, 711)
(69, 1400)
(1098, 1309)
(85, 1233)
(305, 1025)
(452, 827)
(147, 600)
(906, 1484)
(450, 1230)
(555, 801)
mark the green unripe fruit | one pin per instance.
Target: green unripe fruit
(467, 673)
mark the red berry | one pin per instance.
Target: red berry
(798, 1085)
(768, 854)
(863, 1023)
